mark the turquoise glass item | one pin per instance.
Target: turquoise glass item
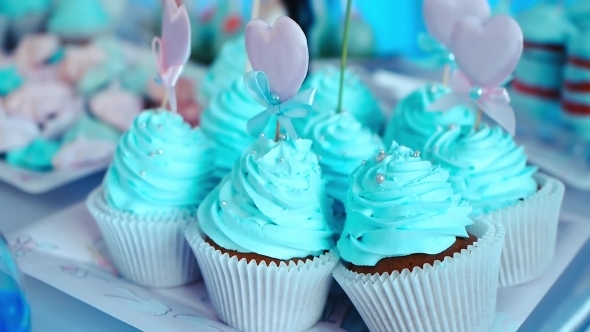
(15, 315)
(37, 156)
(273, 203)
(229, 65)
(357, 97)
(161, 164)
(486, 166)
(10, 80)
(20, 8)
(79, 18)
(224, 123)
(411, 125)
(399, 205)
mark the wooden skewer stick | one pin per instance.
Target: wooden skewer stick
(446, 75)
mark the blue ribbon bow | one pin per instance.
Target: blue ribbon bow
(297, 106)
(439, 57)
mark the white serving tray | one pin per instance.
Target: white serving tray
(65, 251)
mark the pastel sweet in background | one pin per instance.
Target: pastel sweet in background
(36, 156)
(91, 128)
(106, 72)
(411, 125)
(24, 17)
(224, 122)
(79, 20)
(228, 66)
(34, 51)
(403, 221)
(538, 78)
(341, 144)
(16, 132)
(78, 60)
(357, 97)
(116, 107)
(83, 152)
(10, 80)
(188, 107)
(22, 8)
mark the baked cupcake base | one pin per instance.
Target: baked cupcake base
(148, 251)
(457, 294)
(531, 232)
(252, 296)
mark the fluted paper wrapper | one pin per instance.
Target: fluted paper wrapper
(458, 294)
(150, 251)
(255, 297)
(531, 232)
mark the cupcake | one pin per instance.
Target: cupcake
(160, 174)
(24, 17)
(79, 21)
(489, 170)
(224, 123)
(228, 66)
(411, 125)
(357, 98)
(263, 241)
(413, 260)
(340, 143)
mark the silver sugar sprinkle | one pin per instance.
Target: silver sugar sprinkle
(160, 151)
(281, 160)
(254, 152)
(380, 178)
(416, 154)
(224, 203)
(142, 173)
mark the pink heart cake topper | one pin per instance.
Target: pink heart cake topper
(440, 16)
(487, 52)
(279, 51)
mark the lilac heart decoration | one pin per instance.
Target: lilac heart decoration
(440, 16)
(487, 52)
(281, 52)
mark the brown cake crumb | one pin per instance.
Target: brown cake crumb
(391, 264)
(252, 256)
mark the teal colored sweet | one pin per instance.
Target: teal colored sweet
(341, 143)
(544, 23)
(79, 18)
(486, 166)
(91, 128)
(357, 98)
(411, 125)
(224, 121)
(272, 203)
(399, 205)
(10, 80)
(136, 78)
(161, 164)
(110, 70)
(20, 8)
(36, 156)
(229, 65)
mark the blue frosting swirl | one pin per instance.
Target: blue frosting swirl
(160, 165)
(21, 8)
(398, 205)
(10, 80)
(486, 166)
(341, 143)
(357, 98)
(411, 125)
(272, 204)
(224, 123)
(227, 67)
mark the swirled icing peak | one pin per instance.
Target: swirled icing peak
(272, 204)
(341, 143)
(486, 166)
(357, 98)
(161, 164)
(411, 125)
(398, 205)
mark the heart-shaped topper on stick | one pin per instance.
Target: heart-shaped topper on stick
(173, 49)
(440, 17)
(279, 58)
(487, 53)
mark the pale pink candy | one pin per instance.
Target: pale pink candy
(440, 16)
(191, 112)
(16, 132)
(78, 60)
(116, 107)
(45, 74)
(32, 52)
(52, 106)
(280, 52)
(184, 91)
(82, 153)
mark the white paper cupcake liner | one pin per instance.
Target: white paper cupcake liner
(256, 297)
(458, 294)
(153, 251)
(531, 232)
